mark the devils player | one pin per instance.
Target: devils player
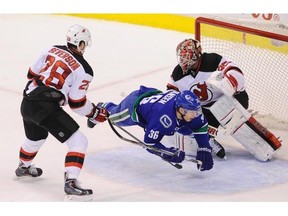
(60, 76)
(195, 68)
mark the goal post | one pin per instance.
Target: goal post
(261, 51)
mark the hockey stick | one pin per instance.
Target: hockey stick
(140, 143)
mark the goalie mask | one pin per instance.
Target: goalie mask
(188, 53)
(79, 37)
(188, 101)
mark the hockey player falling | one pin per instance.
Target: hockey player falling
(59, 77)
(220, 87)
(162, 114)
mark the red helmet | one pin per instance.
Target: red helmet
(188, 53)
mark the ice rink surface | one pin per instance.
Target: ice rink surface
(123, 57)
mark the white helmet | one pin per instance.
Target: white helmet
(78, 33)
(188, 53)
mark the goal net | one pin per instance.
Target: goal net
(261, 51)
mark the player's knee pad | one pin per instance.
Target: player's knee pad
(77, 142)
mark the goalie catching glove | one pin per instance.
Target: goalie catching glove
(227, 83)
(98, 114)
(178, 156)
(204, 155)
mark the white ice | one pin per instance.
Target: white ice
(123, 57)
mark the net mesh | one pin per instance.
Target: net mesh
(265, 66)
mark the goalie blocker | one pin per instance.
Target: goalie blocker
(242, 126)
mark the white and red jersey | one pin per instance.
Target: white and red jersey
(66, 71)
(195, 80)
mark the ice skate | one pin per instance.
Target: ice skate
(30, 171)
(74, 192)
(218, 149)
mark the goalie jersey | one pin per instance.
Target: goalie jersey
(210, 64)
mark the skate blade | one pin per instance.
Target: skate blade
(25, 178)
(76, 198)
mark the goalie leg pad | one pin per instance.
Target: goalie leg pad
(228, 115)
(239, 123)
(259, 141)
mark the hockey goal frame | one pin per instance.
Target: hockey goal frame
(201, 24)
(204, 20)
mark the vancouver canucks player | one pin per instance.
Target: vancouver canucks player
(163, 114)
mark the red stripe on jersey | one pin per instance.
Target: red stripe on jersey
(232, 68)
(74, 104)
(232, 80)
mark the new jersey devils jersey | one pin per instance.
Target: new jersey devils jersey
(65, 71)
(195, 80)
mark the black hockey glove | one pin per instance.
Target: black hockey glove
(204, 155)
(99, 114)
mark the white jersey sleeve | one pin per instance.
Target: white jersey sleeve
(77, 94)
(233, 73)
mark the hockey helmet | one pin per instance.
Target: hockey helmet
(188, 101)
(76, 34)
(188, 53)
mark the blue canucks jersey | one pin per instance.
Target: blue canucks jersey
(156, 113)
